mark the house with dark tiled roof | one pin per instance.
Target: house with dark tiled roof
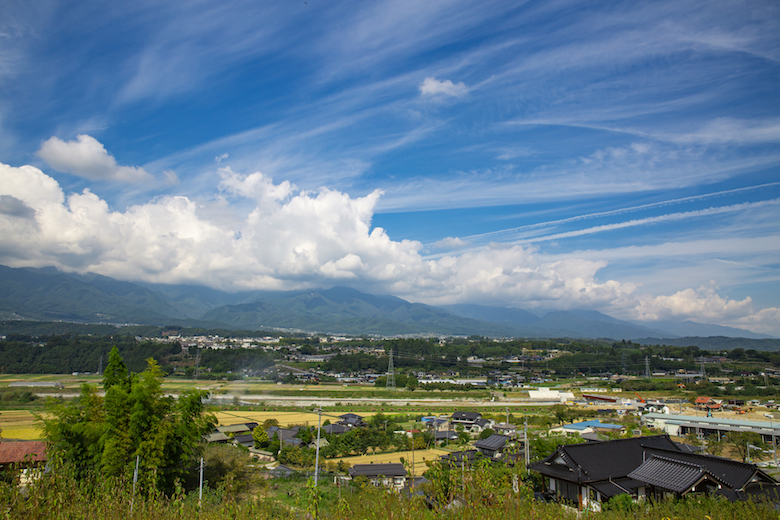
(351, 420)
(335, 429)
(246, 440)
(671, 473)
(461, 458)
(586, 475)
(391, 475)
(493, 446)
(285, 435)
(470, 421)
(445, 436)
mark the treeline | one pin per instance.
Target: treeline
(20, 354)
(38, 329)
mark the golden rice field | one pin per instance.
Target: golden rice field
(19, 424)
(420, 456)
(284, 418)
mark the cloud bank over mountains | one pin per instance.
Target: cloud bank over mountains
(254, 233)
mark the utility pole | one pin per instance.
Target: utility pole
(772, 427)
(317, 457)
(135, 480)
(507, 415)
(525, 443)
(390, 372)
(100, 365)
(197, 364)
(200, 487)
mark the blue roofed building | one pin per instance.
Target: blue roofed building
(594, 425)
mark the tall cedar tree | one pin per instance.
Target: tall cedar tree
(105, 435)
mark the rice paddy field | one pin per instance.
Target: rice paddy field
(419, 456)
(19, 425)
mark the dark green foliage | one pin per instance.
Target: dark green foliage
(116, 372)
(75, 353)
(105, 436)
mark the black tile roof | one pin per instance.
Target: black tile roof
(466, 416)
(439, 436)
(736, 475)
(617, 486)
(335, 429)
(492, 443)
(670, 474)
(595, 461)
(458, 457)
(394, 469)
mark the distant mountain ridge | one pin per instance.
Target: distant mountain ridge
(49, 295)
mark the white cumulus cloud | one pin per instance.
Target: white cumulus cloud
(87, 157)
(257, 234)
(435, 87)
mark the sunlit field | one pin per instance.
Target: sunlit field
(420, 456)
(19, 424)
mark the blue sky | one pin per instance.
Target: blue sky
(617, 156)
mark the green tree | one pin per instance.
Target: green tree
(260, 437)
(116, 371)
(743, 442)
(270, 422)
(561, 413)
(105, 435)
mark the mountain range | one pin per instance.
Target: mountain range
(47, 294)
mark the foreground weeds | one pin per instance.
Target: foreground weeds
(62, 497)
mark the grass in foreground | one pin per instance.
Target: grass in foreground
(60, 497)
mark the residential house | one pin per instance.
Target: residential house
(460, 459)
(351, 420)
(246, 440)
(445, 436)
(586, 475)
(335, 429)
(594, 425)
(217, 437)
(708, 403)
(322, 443)
(285, 435)
(237, 429)
(471, 422)
(493, 446)
(666, 473)
(391, 475)
(22, 457)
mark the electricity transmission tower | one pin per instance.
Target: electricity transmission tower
(647, 367)
(390, 372)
